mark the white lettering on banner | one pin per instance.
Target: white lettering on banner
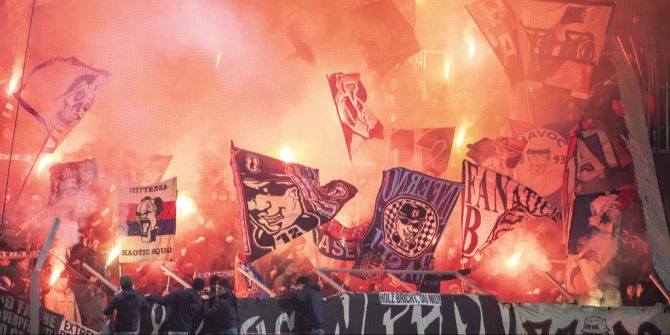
(396, 298)
(389, 321)
(422, 322)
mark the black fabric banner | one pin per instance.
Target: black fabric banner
(281, 201)
(15, 316)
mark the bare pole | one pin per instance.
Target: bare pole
(560, 287)
(35, 280)
(101, 278)
(660, 287)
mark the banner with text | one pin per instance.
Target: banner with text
(147, 221)
(15, 316)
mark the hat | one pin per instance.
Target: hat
(126, 281)
(303, 280)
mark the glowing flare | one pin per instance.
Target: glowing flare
(447, 70)
(113, 254)
(286, 154)
(45, 161)
(14, 81)
(55, 273)
(461, 132)
(218, 59)
(185, 206)
(514, 261)
(472, 47)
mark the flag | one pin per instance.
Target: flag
(493, 204)
(143, 168)
(68, 179)
(358, 122)
(566, 39)
(595, 238)
(245, 287)
(434, 144)
(410, 214)
(592, 163)
(542, 162)
(58, 93)
(336, 241)
(498, 25)
(384, 34)
(147, 221)
(500, 154)
(281, 201)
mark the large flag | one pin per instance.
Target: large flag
(58, 93)
(434, 144)
(566, 39)
(411, 212)
(281, 201)
(358, 122)
(68, 179)
(498, 24)
(595, 240)
(542, 161)
(143, 168)
(147, 221)
(385, 35)
(336, 241)
(245, 287)
(494, 204)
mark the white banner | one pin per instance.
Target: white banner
(147, 221)
(69, 327)
(573, 319)
(397, 298)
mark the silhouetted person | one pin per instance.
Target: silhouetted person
(309, 307)
(128, 305)
(221, 314)
(185, 306)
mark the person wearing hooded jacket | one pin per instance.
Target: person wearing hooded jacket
(221, 314)
(128, 305)
(309, 307)
(185, 304)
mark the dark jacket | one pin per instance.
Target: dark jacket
(309, 306)
(185, 305)
(221, 314)
(128, 305)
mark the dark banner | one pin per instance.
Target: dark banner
(365, 314)
(281, 201)
(411, 212)
(15, 316)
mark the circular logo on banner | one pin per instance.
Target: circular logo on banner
(409, 226)
(542, 162)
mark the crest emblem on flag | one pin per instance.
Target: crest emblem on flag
(68, 179)
(409, 226)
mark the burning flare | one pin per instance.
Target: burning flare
(55, 273)
(14, 80)
(113, 254)
(472, 47)
(461, 132)
(185, 206)
(45, 161)
(286, 154)
(514, 260)
(447, 69)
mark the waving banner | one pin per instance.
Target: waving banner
(493, 204)
(58, 93)
(411, 212)
(434, 144)
(358, 122)
(337, 241)
(147, 221)
(566, 39)
(68, 179)
(281, 201)
(498, 25)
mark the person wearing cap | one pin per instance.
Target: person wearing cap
(186, 305)
(221, 314)
(308, 298)
(128, 305)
